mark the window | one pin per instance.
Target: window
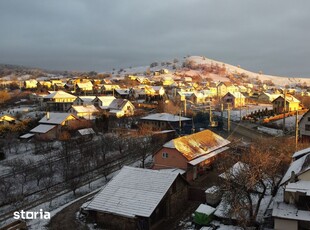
(308, 118)
(165, 155)
(307, 127)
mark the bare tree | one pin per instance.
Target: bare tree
(257, 173)
(6, 190)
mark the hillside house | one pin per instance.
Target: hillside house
(84, 111)
(121, 107)
(46, 84)
(52, 124)
(304, 127)
(267, 97)
(84, 87)
(138, 198)
(7, 120)
(292, 104)
(30, 84)
(108, 88)
(84, 100)
(103, 102)
(154, 91)
(234, 100)
(58, 101)
(167, 80)
(291, 204)
(225, 87)
(165, 121)
(194, 153)
(123, 93)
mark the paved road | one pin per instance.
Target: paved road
(244, 130)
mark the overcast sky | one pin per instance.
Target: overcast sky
(272, 36)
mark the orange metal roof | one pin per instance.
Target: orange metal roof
(198, 144)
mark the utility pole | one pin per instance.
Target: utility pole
(228, 118)
(210, 114)
(296, 130)
(222, 108)
(180, 124)
(185, 107)
(284, 109)
(240, 106)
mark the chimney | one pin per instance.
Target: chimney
(47, 115)
(293, 178)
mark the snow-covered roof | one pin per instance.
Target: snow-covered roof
(26, 136)
(86, 131)
(212, 189)
(288, 98)
(208, 156)
(55, 118)
(289, 211)
(133, 192)
(123, 91)
(234, 170)
(165, 117)
(298, 166)
(84, 109)
(87, 99)
(118, 104)
(205, 209)
(85, 84)
(301, 153)
(173, 170)
(236, 94)
(198, 144)
(59, 94)
(299, 186)
(42, 128)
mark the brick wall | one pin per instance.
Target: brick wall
(174, 160)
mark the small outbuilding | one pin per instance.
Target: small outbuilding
(138, 198)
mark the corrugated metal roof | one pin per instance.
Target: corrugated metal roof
(208, 156)
(59, 94)
(165, 117)
(133, 192)
(197, 144)
(42, 128)
(84, 109)
(55, 118)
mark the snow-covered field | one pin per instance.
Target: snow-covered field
(235, 114)
(277, 80)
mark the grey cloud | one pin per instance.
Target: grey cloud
(271, 36)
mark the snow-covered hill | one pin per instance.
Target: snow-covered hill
(277, 80)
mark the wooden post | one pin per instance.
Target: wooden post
(284, 110)
(228, 118)
(296, 130)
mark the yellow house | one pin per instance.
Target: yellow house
(291, 104)
(30, 84)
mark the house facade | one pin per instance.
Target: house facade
(304, 127)
(225, 87)
(291, 104)
(292, 202)
(51, 125)
(234, 100)
(58, 101)
(194, 153)
(165, 121)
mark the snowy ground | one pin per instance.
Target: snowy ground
(62, 201)
(290, 122)
(235, 113)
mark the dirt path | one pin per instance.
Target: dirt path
(66, 218)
